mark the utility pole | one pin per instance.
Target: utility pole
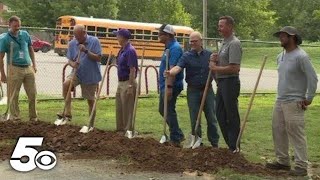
(205, 22)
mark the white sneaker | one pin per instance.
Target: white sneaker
(129, 134)
(197, 143)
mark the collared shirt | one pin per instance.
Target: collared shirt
(89, 70)
(297, 79)
(175, 52)
(127, 58)
(230, 53)
(21, 44)
(197, 67)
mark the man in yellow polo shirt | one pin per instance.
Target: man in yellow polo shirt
(21, 72)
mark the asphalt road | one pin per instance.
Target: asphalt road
(50, 65)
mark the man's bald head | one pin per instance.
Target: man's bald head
(196, 41)
(196, 34)
(80, 33)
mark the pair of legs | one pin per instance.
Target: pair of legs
(88, 92)
(17, 77)
(176, 135)
(288, 126)
(227, 110)
(194, 97)
(124, 105)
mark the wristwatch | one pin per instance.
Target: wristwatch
(86, 51)
(169, 86)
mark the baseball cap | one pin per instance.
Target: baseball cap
(167, 28)
(290, 31)
(123, 32)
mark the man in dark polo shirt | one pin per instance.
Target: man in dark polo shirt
(196, 62)
(226, 65)
(127, 64)
(23, 68)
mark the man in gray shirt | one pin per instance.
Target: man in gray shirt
(297, 85)
(226, 65)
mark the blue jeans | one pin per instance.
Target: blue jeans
(227, 109)
(194, 97)
(176, 135)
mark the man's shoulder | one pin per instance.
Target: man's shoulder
(235, 40)
(92, 38)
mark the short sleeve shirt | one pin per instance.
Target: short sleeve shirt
(89, 70)
(230, 53)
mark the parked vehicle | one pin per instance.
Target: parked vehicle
(40, 45)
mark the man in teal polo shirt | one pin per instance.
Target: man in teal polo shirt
(21, 71)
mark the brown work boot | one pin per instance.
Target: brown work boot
(277, 166)
(298, 171)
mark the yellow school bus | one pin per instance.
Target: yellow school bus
(144, 35)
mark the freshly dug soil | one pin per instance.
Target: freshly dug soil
(142, 154)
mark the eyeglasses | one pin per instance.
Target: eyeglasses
(194, 41)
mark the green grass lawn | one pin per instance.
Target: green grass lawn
(252, 57)
(257, 144)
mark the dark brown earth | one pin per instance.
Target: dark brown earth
(142, 154)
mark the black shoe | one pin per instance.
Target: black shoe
(277, 166)
(298, 171)
(67, 117)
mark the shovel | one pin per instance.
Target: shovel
(131, 134)
(63, 120)
(250, 105)
(164, 137)
(6, 115)
(194, 139)
(86, 129)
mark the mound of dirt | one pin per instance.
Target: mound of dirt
(142, 154)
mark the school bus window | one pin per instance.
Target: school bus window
(110, 32)
(147, 32)
(59, 22)
(179, 37)
(103, 30)
(138, 31)
(65, 32)
(91, 28)
(71, 31)
(132, 31)
(155, 36)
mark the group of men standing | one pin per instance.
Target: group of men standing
(296, 86)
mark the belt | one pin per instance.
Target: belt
(199, 87)
(22, 66)
(123, 78)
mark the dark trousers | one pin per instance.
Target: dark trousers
(194, 97)
(176, 135)
(227, 109)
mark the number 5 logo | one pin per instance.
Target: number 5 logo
(45, 160)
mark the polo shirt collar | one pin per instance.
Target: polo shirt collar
(229, 38)
(194, 52)
(18, 34)
(170, 43)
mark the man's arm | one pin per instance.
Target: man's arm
(31, 52)
(3, 74)
(230, 69)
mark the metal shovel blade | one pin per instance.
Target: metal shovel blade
(197, 143)
(164, 138)
(129, 134)
(59, 122)
(86, 129)
(190, 141)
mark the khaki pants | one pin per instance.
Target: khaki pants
(288, 126)
(124, 106)
(25, 76)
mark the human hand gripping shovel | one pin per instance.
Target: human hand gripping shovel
(164, 137)
(194, 139)
(86, 129)
(10, 94)
(250, 105)
(131, 134)
(63, 120)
